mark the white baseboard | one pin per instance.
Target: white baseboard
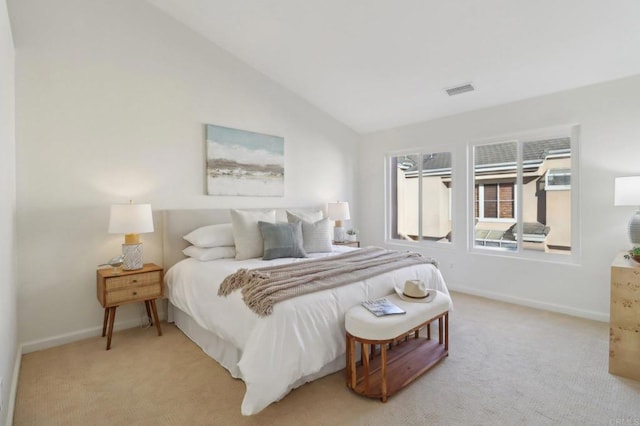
(74, 336)
(592, 315)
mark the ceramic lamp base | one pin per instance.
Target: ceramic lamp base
(338, 234)
(132, 257)
(634, 229)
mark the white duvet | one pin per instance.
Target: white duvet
(302, 334)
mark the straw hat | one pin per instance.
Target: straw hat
(415, 291)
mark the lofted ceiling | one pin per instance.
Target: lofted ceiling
(377, 64)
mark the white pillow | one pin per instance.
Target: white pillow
(211, 236)
(308, 215)
(210, 253)
(316, 235)
(246, 233)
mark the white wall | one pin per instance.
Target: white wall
(112, 100)
(610, 133)
(8, 291)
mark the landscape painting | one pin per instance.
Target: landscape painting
(244, 163)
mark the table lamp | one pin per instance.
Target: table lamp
(131, 220)
(627, 193)
(338, 212)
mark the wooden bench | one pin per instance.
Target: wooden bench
(404, 355)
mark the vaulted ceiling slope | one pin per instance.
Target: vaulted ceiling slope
(377, 64)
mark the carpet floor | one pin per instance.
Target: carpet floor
(507, 365)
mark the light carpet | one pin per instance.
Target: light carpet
(507, 365)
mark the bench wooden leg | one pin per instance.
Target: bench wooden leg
(365, 357)
(351, 362)
(446, 331)
(440, 330)
(383, 367)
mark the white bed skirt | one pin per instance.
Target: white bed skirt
(228, 355)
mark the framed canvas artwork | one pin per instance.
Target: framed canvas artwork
(244, 163)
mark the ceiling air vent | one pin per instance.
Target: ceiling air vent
(460, 89)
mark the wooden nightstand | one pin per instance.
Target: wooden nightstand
(346, 243)
(118, 287)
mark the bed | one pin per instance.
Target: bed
(302, 340)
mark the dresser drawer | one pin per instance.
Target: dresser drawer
(133, 294)
(142, 279)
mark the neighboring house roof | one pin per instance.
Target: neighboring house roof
(437, 161)
(492, 154)
(532, 232)
(441, 160)
(502, 153)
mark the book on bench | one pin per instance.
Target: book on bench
(382, 306)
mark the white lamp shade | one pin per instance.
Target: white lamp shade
(627, 191)
(130, 219)
(339, 210)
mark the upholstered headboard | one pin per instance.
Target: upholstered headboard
(178, 223)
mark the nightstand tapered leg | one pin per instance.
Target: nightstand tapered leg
(104, 322)
(146, 305)
(112, 317)
(152, 302)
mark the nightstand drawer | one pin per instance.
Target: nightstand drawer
(133, 294)
(142, 279)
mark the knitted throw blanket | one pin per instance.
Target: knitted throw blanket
(263, 287)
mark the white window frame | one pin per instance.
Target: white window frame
(388, 232)
(551, 187)
(571, 131)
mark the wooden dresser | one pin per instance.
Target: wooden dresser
(624, 322)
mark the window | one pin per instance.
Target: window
(558, 180)
(523, 198)
(420, 197)
(495, 201)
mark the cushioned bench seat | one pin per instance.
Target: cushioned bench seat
(404, 354)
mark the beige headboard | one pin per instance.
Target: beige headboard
(177, 223)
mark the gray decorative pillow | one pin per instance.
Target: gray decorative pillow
(281, 240)
(316, 235)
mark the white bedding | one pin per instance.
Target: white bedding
(302, 334)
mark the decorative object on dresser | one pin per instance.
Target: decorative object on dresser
(634, 254)
(351, 235)
(627, 193)
(114, 262)
(624, 320)
(131, 220)
(120, 288)
(338, 212)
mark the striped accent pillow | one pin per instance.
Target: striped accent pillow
(316, 235)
